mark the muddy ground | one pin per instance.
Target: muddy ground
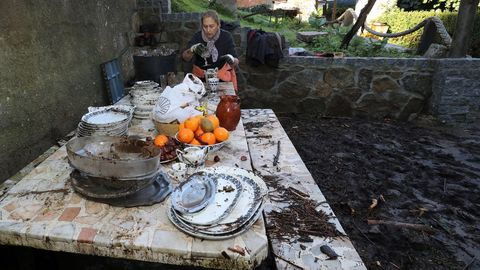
(418, 173)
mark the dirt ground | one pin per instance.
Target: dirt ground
(417, 173)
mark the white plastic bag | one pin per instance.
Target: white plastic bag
(178, 103)
(195, 85)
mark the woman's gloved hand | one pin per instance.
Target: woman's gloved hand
(198, 48)
(228, 58)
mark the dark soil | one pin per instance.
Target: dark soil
(428, 176)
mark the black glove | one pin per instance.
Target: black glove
(199, 49)
(227, 58)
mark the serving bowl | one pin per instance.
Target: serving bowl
(211, 147)
(116, 158)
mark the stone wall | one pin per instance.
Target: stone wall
(50, 56)
(366, 87)
(399, 88)
(456, 95)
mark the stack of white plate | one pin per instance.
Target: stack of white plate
(144, 96)
(217, 203)
(105, 121)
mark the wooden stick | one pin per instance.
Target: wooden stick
(277, 156)
(287, 261)
(418, 227)
(470, 263)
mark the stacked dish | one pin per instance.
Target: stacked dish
(144, 96)
(217, 203)
(117, 171)
(105, 121)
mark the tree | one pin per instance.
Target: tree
(360, 22)
(462, 36)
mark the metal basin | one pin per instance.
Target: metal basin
(115, 158)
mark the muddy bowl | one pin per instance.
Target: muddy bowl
(116, 158)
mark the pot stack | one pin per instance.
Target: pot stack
(117, 170)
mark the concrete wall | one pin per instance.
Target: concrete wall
(50, 56)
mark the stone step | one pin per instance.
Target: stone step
(309, 36)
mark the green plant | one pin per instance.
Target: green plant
(316, 21)
(444, 5)
(358, 46)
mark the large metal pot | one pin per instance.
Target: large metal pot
(115, 158)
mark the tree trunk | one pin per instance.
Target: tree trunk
(359, 23)
(334, 12)
(462, 36)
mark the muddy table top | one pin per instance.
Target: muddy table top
(42, 211)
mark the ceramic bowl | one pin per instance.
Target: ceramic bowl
(211, 148)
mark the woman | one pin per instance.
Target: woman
(212, 47)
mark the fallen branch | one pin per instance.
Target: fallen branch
(418, 227)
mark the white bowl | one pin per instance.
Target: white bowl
(211, 148)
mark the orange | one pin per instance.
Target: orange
(199, 117)
(192, 123)
(195, 142)
(181, 126)
(214, 119)
(198, 132)
(185, 135)
(221, 134)
(208, 138)
(160, 140)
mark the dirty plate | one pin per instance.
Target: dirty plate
(204, 234)
(194, 194)
(250, 200)
(227, 193)
(246, 211)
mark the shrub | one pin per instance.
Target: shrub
(399, 20)
(358, 46)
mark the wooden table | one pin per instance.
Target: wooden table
(42, 211)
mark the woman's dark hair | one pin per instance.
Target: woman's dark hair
(212, 14)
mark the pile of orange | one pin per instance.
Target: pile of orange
(202, 130)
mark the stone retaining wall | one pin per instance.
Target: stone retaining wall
(399, 88)
(367, 87)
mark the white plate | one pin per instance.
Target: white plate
(196, 232)
(228, 191)
(194, 194)
(105, 117)
(250, 200)
(247, 210)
